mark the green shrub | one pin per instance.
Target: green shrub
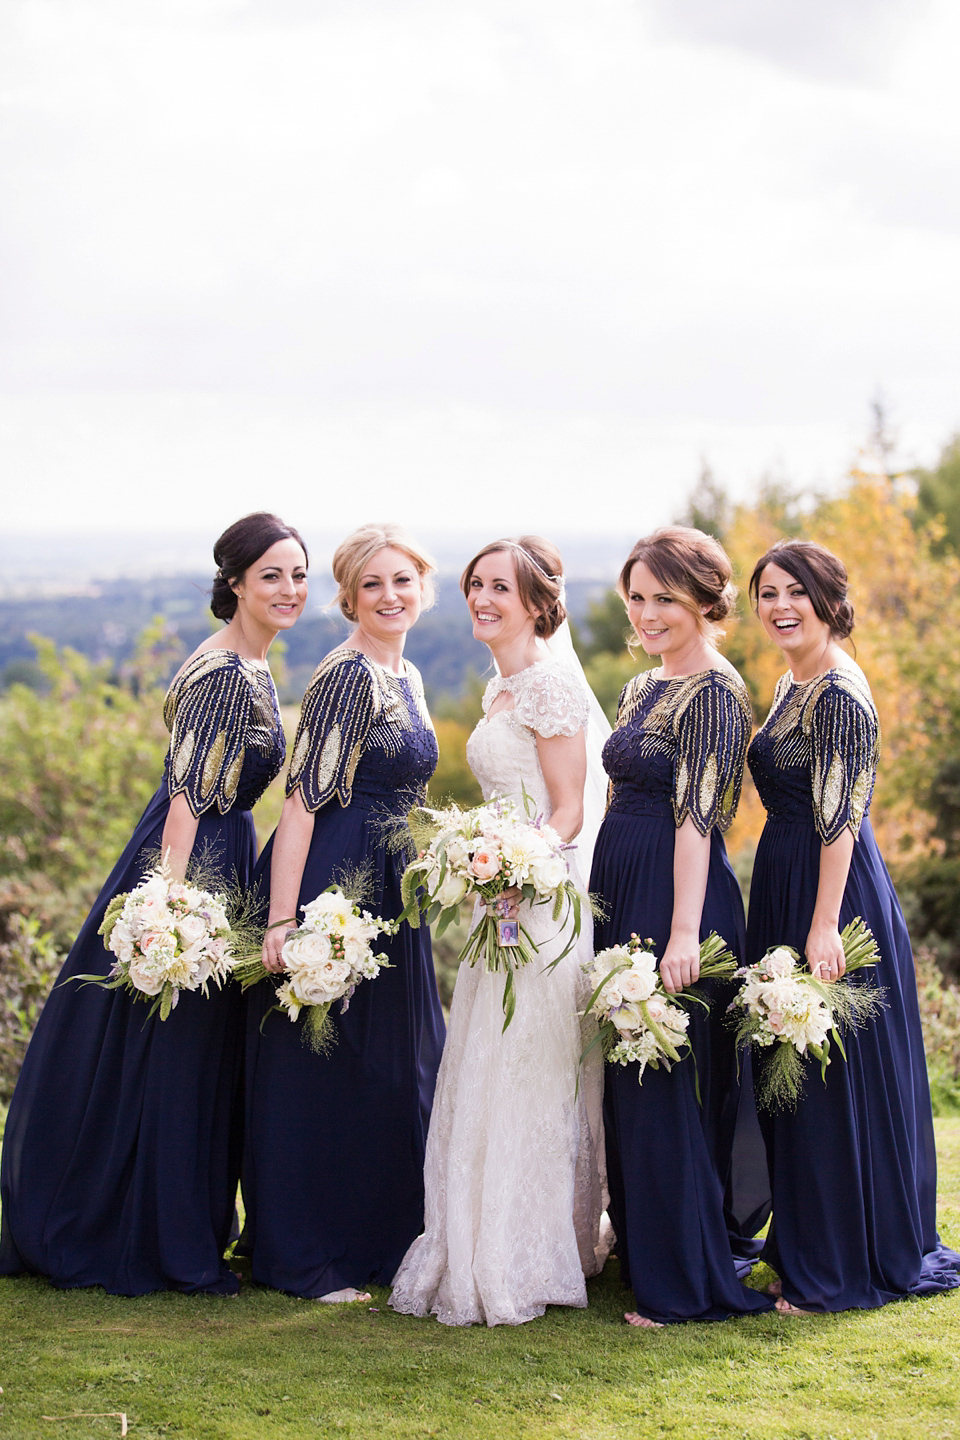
(29, 961)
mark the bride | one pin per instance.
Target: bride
(514, 1169)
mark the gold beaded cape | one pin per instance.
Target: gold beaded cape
(700, 726)
(829, 728)
(218, 708)
(351, 703)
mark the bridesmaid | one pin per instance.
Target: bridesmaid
(333, 1168)
(676, 760)
(854, 1166)
(123, 1142)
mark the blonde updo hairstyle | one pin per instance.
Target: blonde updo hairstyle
(539, 572)
(353, 555)
(693, 569)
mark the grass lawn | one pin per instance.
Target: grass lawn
(268, 1365)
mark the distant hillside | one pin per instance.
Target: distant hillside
(103, 620)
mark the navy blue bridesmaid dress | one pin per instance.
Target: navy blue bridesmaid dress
(853, 1168)
(123, 1143)
(333, 1165)
(676, 1197)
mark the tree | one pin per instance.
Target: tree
(77, 767)
(938, 497)
(708, 508)
(606, 628)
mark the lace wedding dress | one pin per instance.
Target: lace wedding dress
(514, 1163)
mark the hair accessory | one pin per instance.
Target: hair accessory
(554, 579)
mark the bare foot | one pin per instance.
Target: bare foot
(344, 1297)
(632, 1318)
(775, 1288)
(783, 1307)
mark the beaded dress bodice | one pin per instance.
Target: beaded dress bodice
(679, 746)
(814, 760)
(226, 736)
(364, 737)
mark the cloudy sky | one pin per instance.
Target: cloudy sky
(449, 259)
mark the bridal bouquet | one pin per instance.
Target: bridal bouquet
(167, 936)
(639, 1020)
(325, 960)
(479, 854)
(785, 1007)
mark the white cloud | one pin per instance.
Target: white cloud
(518, 245)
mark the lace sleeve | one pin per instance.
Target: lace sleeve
(712, 731)
(845, 742)
(335, 718)
(209, 717)
(552, 702)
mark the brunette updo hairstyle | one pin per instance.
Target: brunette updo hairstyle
(238, 548)
(539, 571)
(353, 555)
(821, 574)
(693, 569)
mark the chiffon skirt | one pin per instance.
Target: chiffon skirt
(123, 1142)
(685, 1174)
(854, 1166)
(333, 1163)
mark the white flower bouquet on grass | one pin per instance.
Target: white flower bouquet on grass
(478, 854)
(167, 936)
(789, 1013)
(325, 960)
(639, 1020)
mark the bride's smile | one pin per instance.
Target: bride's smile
(500, 617)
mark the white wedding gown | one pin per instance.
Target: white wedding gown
(514, 1163)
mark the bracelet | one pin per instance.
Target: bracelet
(291, 920)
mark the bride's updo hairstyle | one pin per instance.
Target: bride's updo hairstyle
(821, 574)
(239, 547)
(539, 571)
(693, 569)
(353, 555)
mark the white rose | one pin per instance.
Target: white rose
(191, 928)
(321, 984)
(121, 940)
(452, 890)
(305, 948)
(637, 983)
(610, 997)
(778, 962)
(627, 1018)
(657, 1008)
(548, 874)
(146, 976)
